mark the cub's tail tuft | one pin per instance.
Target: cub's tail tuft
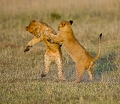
(99, 48)
(100, 36)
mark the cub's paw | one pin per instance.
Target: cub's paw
(43, 75)
(27, 48)
(50, 41)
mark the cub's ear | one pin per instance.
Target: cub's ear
(33, 20)
(71, 22)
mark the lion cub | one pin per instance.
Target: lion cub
(81, 57)
(53, 50)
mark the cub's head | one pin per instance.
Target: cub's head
(33, 28)
(65, 25)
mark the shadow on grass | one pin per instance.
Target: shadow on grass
(106, 64)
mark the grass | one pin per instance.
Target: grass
(20, 81)
(64, 93)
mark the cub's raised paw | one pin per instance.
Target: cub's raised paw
(27, 49)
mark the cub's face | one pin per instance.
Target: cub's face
(33, 28)
(65, 25)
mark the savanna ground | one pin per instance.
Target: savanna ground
(20, 81)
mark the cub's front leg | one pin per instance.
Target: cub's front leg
(31, 43)
(56, 38)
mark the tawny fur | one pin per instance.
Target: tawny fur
(53, 50)
(81, 57)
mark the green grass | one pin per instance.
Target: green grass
(20, 81)
(50, 92)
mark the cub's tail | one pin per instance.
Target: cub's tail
(99, 48)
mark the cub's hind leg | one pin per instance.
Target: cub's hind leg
(47, 61)
(90, 71)
(79, 73)
(59, 64)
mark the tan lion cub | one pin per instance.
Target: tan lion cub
(81, 57)
(53, 50)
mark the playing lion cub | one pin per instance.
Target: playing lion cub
(53, 50)
(81, 57)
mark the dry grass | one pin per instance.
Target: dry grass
(20, 81)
